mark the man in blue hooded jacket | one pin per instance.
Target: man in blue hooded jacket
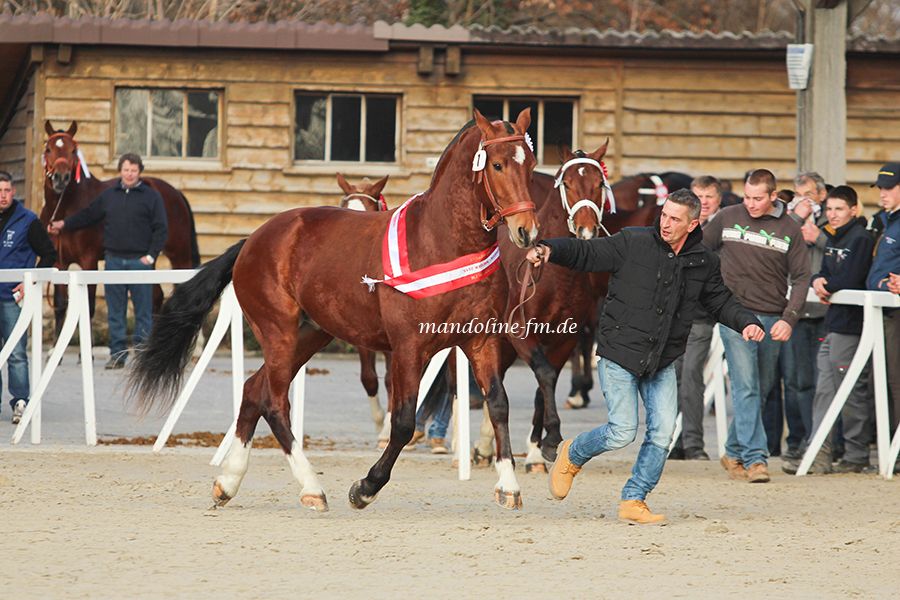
(22, 241)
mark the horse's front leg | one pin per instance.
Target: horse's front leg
(405, 376)
(485, 356)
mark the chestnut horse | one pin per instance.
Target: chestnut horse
(67, 190)
(639, 199)
(367, 197)
(297, 279)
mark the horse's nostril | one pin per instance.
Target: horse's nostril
(523, 235)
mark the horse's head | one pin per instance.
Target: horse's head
(60, 156)
(365, 196)
(504, 164)
(581, 182)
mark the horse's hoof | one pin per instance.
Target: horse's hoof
(480, 460)
(536, 467)
(382, 444)
(548, 451)
(508, 500)
(316, 502)
(220, 498)
(357, 499)
(575, 402)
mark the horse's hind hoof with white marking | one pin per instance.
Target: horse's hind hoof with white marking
(508, 500)
(382, 444)
(220, 498)
(357, 499)
(480, 460)
(536, 468)
(316, 502)
(577, 401)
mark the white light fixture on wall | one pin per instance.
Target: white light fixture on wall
(799, 60)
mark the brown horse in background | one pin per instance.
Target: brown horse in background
(368, 197)
(308, 263)
(67, 190)
(639, 199)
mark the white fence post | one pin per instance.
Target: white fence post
(462, 416)
(34, 301)
(227, 305)
(76, 288)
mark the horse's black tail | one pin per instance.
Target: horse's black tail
(158, 368)
(195, 247)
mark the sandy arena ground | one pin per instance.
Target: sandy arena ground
(121, 522)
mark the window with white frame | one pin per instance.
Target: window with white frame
(168, 123)
(346, 127)
(552, 121)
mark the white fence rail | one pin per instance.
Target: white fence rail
(230, 318)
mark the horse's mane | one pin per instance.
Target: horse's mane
(441, 163)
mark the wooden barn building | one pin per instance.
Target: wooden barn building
(250, 120)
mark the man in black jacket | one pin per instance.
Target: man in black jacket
(134, 234)
(845, 264)
(662, 277)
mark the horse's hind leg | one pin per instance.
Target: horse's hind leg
(234, 467)
(284, 358)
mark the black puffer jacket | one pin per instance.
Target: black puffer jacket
(654, 294)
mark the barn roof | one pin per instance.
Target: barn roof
(379, 36)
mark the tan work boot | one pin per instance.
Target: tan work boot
(438, 447)
(416, 438)
(563, 472)
(758, 473)
(636, 511)
(734, 467)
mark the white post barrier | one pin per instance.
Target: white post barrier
(227, 309)
(30, 315)
(714, 380)
(462, 416)
(871, 343)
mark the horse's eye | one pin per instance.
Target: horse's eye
(497, 167)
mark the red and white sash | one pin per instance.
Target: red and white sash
(433, 279)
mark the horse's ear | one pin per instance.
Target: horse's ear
(524, 120)
(48, 127)
(72, 128)
(378, 186)
(348, 189)
(483, 124)
(565, 152)
(601, 151)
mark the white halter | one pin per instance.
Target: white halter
(659, 189)
(585, 202)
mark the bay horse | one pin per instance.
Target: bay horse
(368, 197)
(297, 279)
(639, 199)
(68, 189)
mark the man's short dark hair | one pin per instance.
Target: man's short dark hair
(707, 181)
(687, 198)
(133, 159)
(6, 176)
(845, 193)
(762, 176)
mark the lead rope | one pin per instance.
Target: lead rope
(50, 299)
(529, 280)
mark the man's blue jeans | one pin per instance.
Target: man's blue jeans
(18, 360)
(620, 390)
(440, 419)
(799, 373)
(752, 369)
(117, 306)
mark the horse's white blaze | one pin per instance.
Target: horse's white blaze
(581, 171)
(234, 468)
(508, 481)
(59, 143)
(303, 471)
(356, 204)
(519, 156)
